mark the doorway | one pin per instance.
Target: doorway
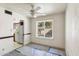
(19, 32)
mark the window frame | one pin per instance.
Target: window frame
(37, 22)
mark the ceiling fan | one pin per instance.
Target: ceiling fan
(34, 11)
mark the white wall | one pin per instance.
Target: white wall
(27, 30)
(6, 45)
(6, 29)
(72, 30)
(58, 31)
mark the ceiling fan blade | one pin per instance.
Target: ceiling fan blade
(38, 8)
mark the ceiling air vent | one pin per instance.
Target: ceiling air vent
(8, 12)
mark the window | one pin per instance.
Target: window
(44, 29)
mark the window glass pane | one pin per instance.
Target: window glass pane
(40, 32)
(48, 25)
(48, 33)
(41, 24)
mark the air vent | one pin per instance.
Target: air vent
(8, 12)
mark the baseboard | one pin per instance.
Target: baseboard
(49, 46)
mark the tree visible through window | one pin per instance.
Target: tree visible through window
(44, 29)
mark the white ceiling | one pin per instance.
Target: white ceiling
(47, 8)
